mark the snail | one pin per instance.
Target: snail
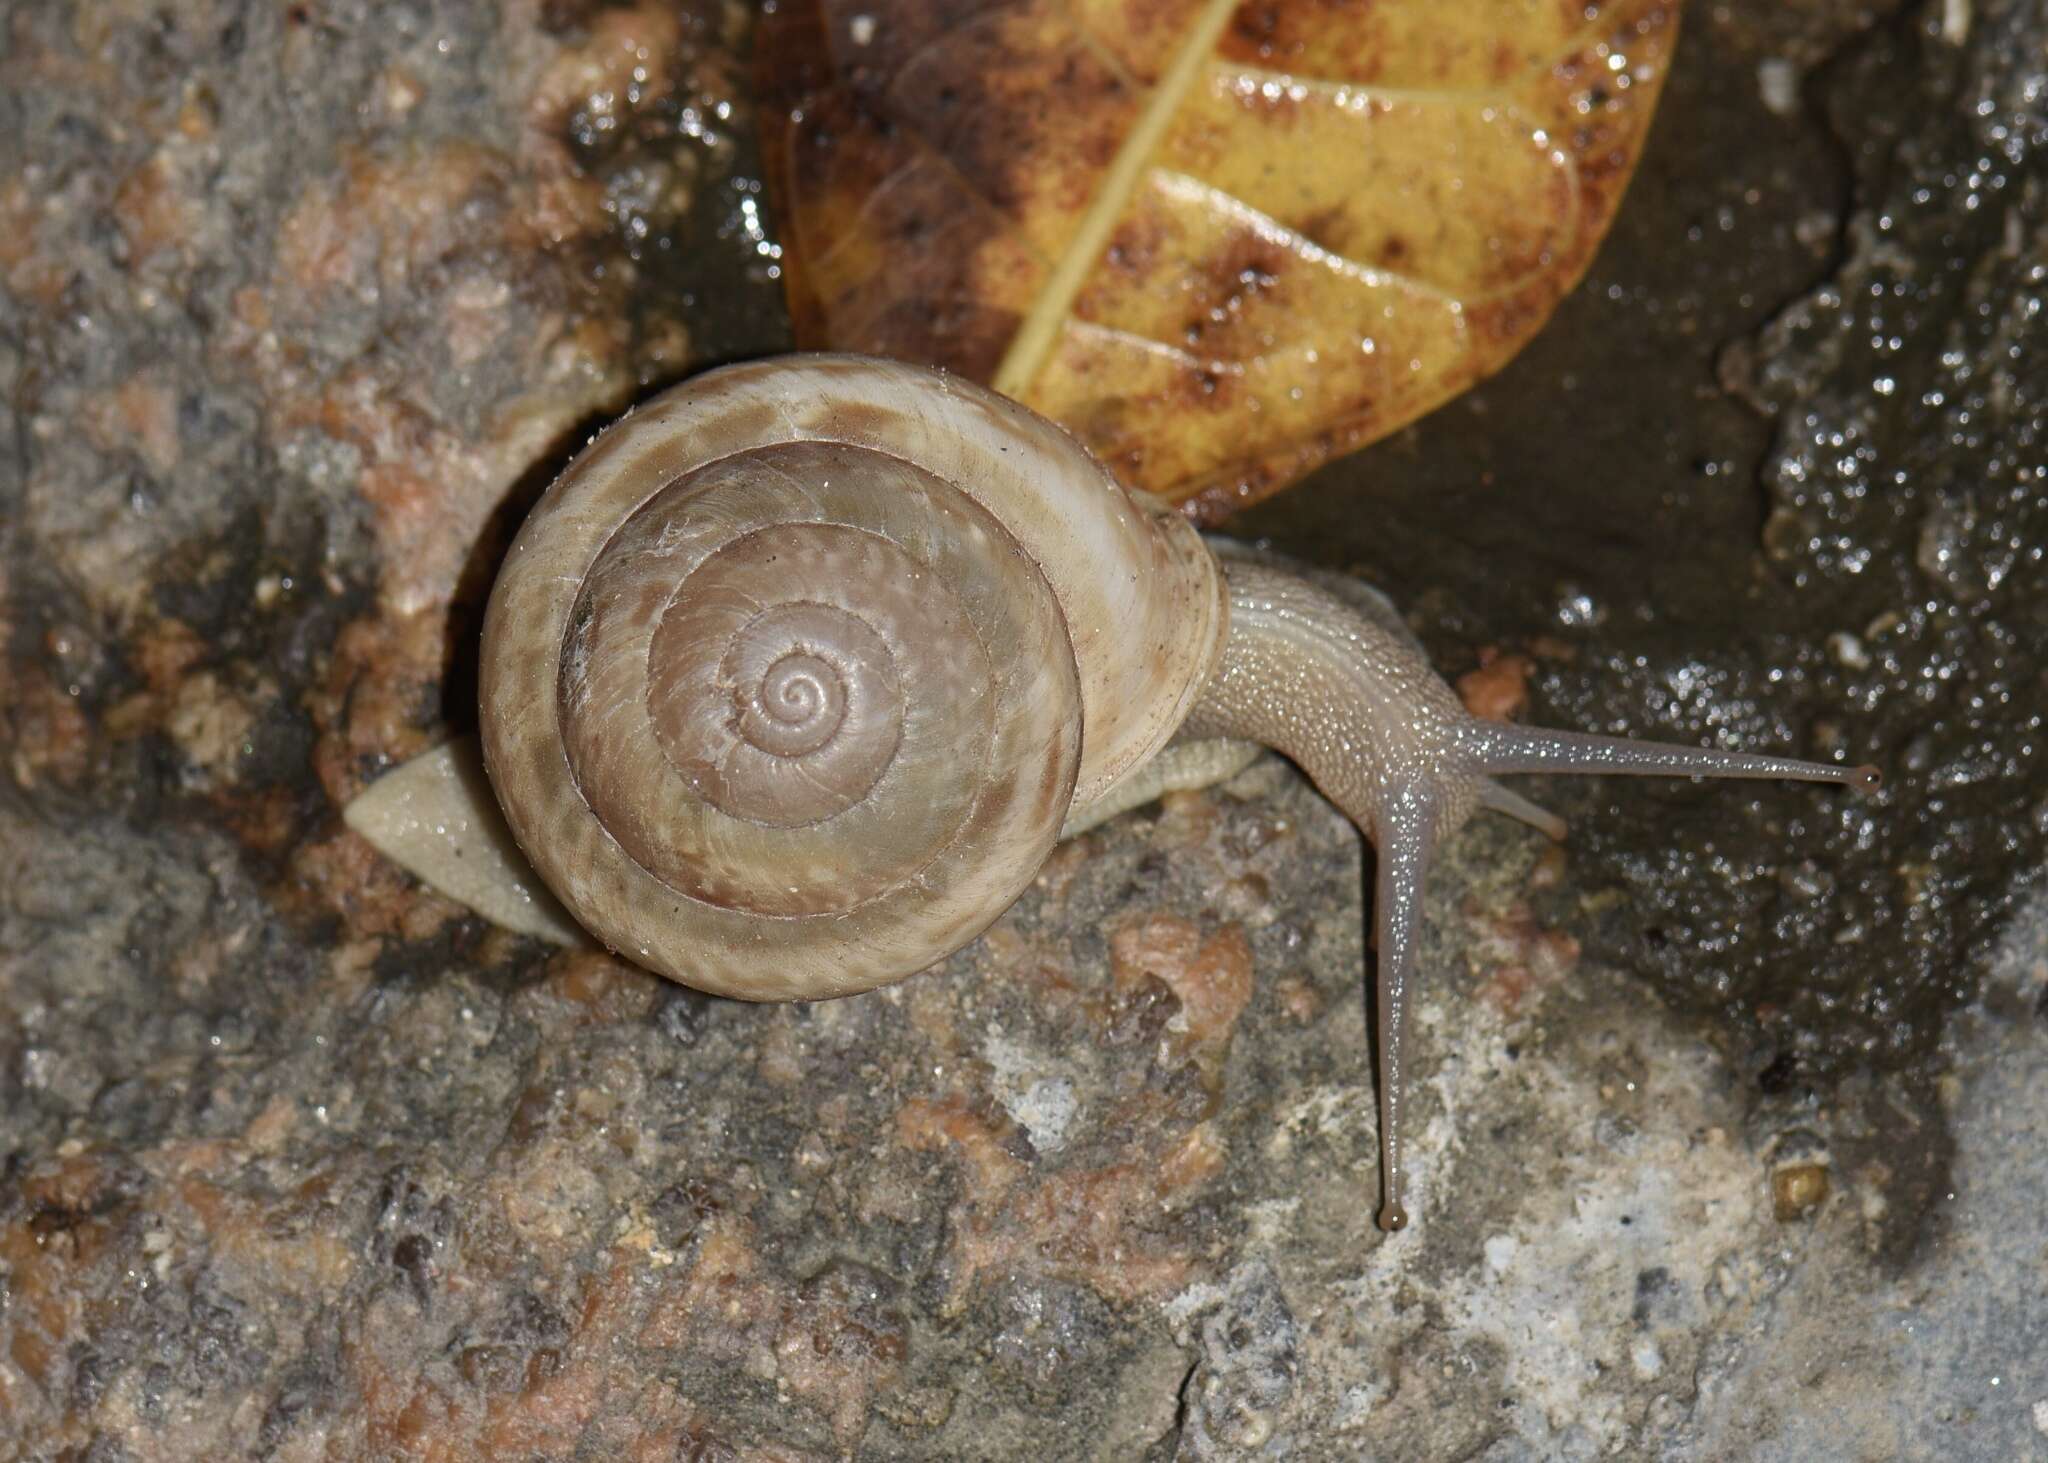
(794, 678)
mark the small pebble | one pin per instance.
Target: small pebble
(1797, 1190)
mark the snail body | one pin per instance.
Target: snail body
(793, 678)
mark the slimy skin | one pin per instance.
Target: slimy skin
(1352, 701)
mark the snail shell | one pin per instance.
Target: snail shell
(791, 679)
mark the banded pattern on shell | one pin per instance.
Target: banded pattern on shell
(778, 693)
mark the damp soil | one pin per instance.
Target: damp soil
(1773, 477)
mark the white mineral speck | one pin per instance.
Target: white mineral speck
(1848, 651)
(1045, 1104)
(1046, 1110)
(1777, 80)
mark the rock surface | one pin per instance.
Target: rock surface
(302, 305)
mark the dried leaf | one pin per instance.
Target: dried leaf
(1222, 242)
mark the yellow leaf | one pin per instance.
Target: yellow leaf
(1223, 242)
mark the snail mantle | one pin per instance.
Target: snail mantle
(794, 678)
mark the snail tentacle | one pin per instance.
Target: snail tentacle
(1352, 700)
(1360, 711)
(1498, 799)
(1503, 748)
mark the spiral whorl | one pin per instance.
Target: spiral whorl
(784, 679)
(779, 706)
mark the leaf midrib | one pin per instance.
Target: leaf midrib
(1040, 329)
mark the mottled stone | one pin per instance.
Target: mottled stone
(300, 305)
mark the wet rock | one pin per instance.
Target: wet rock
(1249, 1344)
(303, 305)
